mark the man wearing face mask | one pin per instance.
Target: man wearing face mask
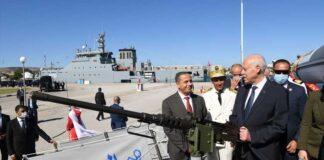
(22, 133)
(296, 101)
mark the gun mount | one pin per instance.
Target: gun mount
(201, 135)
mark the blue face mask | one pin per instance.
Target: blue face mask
(281, 78)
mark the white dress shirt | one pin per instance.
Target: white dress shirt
(20, 122)
(257, 91)
(0, 120)
(184, 101)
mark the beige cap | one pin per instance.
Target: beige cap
(218, 72)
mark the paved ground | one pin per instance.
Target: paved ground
(53, 116)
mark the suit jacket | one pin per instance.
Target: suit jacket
(5, 120)
(118, 121)
(312, 125)
(22, 141)
(173, 106)
(33, 102)
(20, 93)
(297, 100)
(266, 122)
(100, 98)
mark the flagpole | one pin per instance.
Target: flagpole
(241, 47)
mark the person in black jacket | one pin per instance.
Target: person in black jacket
(296, 100)
(20, 95)
(32, 107)
(4, 119)
(100, 99)
(261, 113)
(22, 133)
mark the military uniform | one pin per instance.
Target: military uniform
(219, 111)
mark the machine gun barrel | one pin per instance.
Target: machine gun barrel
(201, 135)
(157, 119)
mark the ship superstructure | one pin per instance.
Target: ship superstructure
(99, 66)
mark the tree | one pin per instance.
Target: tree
(18, 74)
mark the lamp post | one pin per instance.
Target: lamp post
(23, 60)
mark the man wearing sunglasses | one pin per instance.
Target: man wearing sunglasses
(296, 101)
(219, 103)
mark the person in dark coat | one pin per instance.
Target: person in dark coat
(4, 120)
(260, 112)
(22, 133)
(182, 104)
(20, 95)
(117, 121)
(32, 107)
(296, 100)
(100, 99)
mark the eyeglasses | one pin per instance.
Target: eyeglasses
(218, 79)
(281, 71)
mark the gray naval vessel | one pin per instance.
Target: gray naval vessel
(99, 66)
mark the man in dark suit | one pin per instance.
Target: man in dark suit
(20, 95)
(183, 104)
(117, 121)
(100, 99)
(296, 100)
(260, 112)
(32, 107)
(22, 133)
(4, 119)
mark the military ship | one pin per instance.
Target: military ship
(99, 66)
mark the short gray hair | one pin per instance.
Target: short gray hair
(258, 60)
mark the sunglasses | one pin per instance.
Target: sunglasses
(218, 79)
(281, 71)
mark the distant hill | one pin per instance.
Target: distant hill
(8, 70)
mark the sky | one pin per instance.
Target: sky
(168, 32)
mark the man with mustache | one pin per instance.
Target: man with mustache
(186, 105)
(219, 103)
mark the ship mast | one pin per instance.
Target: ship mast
(101, 42)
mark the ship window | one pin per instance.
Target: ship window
(95, 67)
(83, 67)
(79, 75)
(90, 67)
(74, 75)
(89, 74)
(78, 67)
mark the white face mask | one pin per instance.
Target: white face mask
(23, 115)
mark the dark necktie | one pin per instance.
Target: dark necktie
(249, 103)
(189, 108)
(23, 123)
(219, 97)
